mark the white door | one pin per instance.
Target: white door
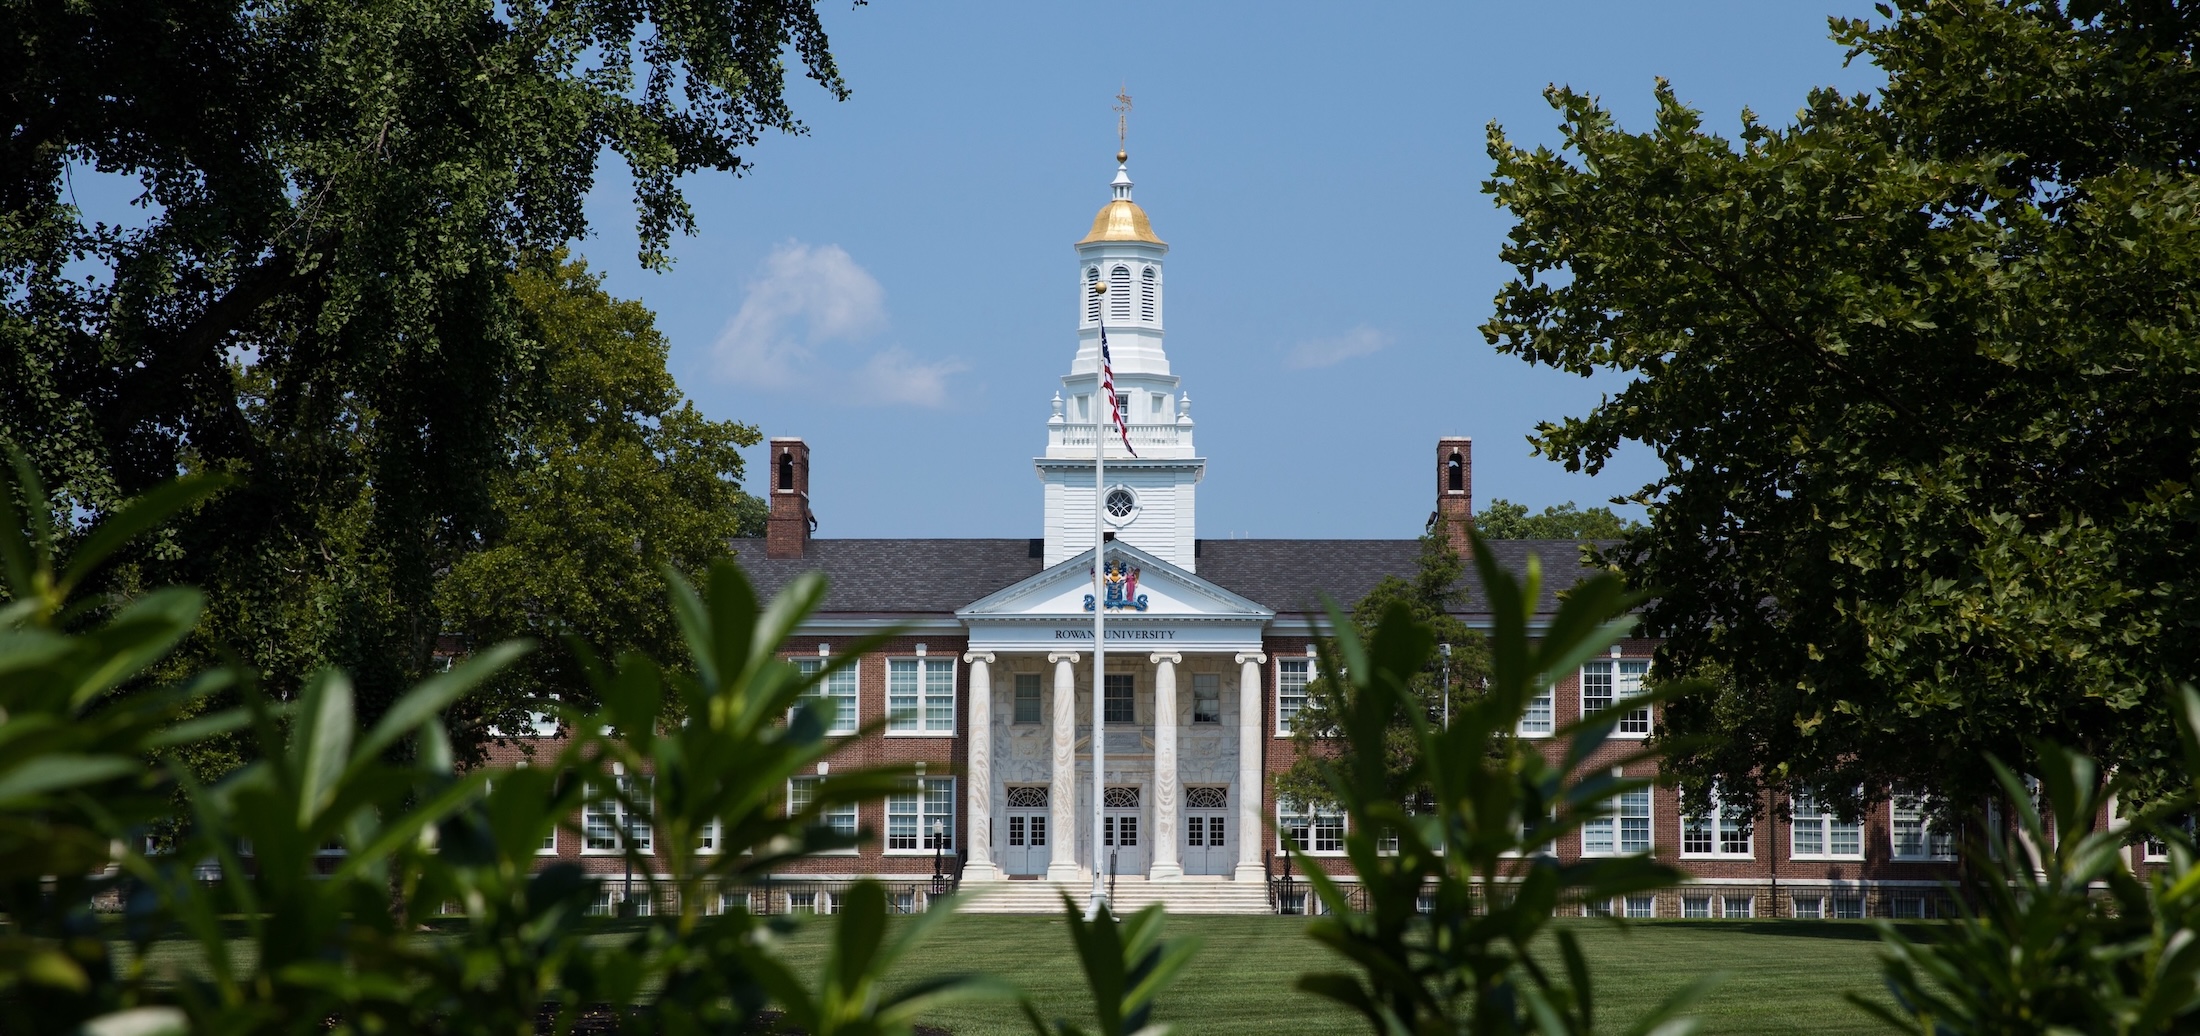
(1122, 833)
(1209, 845)
(1025, 847)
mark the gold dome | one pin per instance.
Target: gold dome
(1121, 220)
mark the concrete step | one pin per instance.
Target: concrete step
(1192, 896)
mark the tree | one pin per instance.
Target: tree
(314, 296)
(616, 477)
(1428, 598)
(1920, 370)
(1502, 519)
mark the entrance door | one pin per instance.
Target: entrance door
(1208, 845)
(1026, 851)
(1122, 833)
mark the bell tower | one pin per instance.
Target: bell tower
(1121, 292)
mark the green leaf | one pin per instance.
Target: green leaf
(136, 517)
(61, 771)
(322, 750)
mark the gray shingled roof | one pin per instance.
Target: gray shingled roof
(938, 576)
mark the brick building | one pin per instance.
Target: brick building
(990, 686)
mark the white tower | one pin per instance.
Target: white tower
(1150, 496)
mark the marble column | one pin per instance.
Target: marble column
(1165, 866)
(1062, 785)
(1252, 834)
(978, 773)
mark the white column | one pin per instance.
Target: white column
(978, 773)
(1165, 866)
(1252, 834)
(1062, 784)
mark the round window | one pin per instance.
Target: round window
(1120, 503)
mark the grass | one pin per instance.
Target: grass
(1782, 976)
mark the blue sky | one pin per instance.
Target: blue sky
(895, 287)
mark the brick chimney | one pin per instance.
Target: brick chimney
(1455, 491)
(787, 530)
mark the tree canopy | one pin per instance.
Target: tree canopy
(1920, 368)
(315, 295)
(615, 477)
(1429, 599)
(1501, 519)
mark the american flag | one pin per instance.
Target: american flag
(1107, 391)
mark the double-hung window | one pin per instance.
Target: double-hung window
(1120, 707)
(1309, 830)
(1206, 697)
(1818, 834)
(1027, 698)
(922, 818)
(1290, 691)
(2156, 848)
(801, 791)
(609, 825)
(1537, 720)
(1914, 834)
(1605, 684)
(920, 696)
(834, 697)
(1725, 830)
(1623, 831)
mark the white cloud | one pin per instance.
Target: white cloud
(1324, 352)
(894, 376)
(806, 297)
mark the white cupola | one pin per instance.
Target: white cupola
(1150, 495)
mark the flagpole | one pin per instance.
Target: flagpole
(1101, 397)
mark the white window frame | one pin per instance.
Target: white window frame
(1618, 825)
(917, 719)
(1726, 905)
(842, 818)
(1623, 678)
(1905, 809)
(931, 798)
(1854, 904)
(1292, 675)
(843, 691)
(625, 826)
(1312, 829)
(1816, 911)
(549, 846)
(1691, 903)
(1825, 824)
(2155, 850)
(1638, 906)
(1540, 718)
(1721, 825)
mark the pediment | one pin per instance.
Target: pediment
(1165, 591)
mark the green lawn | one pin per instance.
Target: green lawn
(1782, 976)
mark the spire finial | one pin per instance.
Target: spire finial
(1122, 123)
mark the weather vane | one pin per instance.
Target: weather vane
(1122, 114)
